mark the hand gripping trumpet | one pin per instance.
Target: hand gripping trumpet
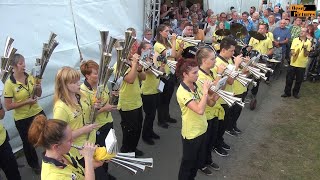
(125, 160)
(228, 97)
(6, 59)
(189, 40)
(238, 76)
(255, 72)
(41, 63)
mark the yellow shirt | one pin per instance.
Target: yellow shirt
(104, 117)
(238, 88)
(297, 46)
(262, 46)
(186, 44)
(130, 95)
(76, 118)
(54, 170)
(270, 36)
(159, 48)
(150, 84)
(218, 37)
(20, 92)
(193, 124)
(3, 134)
(228, 87)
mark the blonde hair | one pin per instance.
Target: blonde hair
(65, 76)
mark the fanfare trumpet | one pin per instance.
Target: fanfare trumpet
(41, 63)
(252, 70)
(6, 59)
(238, 76)
(189, 40)
(228, 97)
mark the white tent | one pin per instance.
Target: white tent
(30, 22)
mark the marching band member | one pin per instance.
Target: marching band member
(192, 103)
(73, 107)
(56, 137)
(130, 107)
(206, 59)
(18, 92)
(227, 47)
(104, 119)
(163, 46)
(8, 162)
(217, 38)
(300, 49)
(150, 99)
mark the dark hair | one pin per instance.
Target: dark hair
(264, 24)
(311, 32)
(87, 66)
(246, 13)
(184, 66)
(188, 24)
(142, 45)
(44, 132)
(227, 42)
(203, 53)
(161, 39)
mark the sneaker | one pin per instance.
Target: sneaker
(214, 166)
(148, 141)
(285, 95)
(139, 153)
(171, 120)
(225, 146)
(206, 171)
(163, 125)
(221, 152)
(155, 136)
(232, 133)
(237, 130)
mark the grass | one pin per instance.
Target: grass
(293, 150)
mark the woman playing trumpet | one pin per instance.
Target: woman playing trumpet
(166, 48)
(194, 122)
(206, 59)
(18, 90)
(73, 107)
(90, 69)
(56, 137)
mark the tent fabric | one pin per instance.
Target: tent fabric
(30, 22)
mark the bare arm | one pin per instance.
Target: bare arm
(9, 104)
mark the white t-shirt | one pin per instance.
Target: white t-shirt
(209, 34)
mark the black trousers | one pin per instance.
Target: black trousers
(131, 124)
(254, 90)
(236, 111)
(8, 162)
(150, 105)
(193, 156)
(223, 125)
(165, 98)
(212, 133)
(28, 149)
(100, 139)
(294, 72)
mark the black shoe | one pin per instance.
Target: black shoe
(237, 130)
(37, 171)
(155, 136)
(296, 96)
(285, 95)
(206, 171)
(171, 120)
(221, 152)
(139, 153)
(225, 146)
(214, 166)
(163, 125)
(232, 133)
(148, 141)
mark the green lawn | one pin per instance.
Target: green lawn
(293, 150)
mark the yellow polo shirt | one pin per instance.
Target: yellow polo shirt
(262, 46)
(159, 48)
(129, 94)
(150, 84)
(20, 92)
(3, 134)
(301, 60)
(193, 124)
(54, 170)
(76, 118)
(104, 117)
(228, 87)
(270, 36)
(238, 88)
(217, 36)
